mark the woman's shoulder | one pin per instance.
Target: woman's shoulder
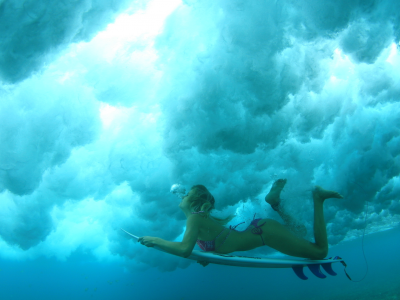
(203, 221)
(196, 217)
(199, 219)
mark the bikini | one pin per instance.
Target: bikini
(210, 245)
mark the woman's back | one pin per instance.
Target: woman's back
(226, 240)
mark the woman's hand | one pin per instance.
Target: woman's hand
(148, 241)
(203, 263)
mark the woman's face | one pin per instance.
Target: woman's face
(185, 203)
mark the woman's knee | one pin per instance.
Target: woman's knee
(319, 252)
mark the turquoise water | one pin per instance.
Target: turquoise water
(104, 105)
(82, 277)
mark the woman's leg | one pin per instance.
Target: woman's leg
(273, 198)
(319, 196)
(280, 238)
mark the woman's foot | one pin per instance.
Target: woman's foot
(273, 197)
(320, 194)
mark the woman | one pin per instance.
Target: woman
(211, 235)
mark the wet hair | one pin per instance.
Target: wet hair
(203, 203)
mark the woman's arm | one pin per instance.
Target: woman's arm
(184, 248)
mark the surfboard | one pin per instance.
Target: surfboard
(262, 262)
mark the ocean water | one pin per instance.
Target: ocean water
(82, 277)
(104, 105)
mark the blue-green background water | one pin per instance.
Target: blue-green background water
(82, 277)
(104, 105)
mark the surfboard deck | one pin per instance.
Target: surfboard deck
(296, 264)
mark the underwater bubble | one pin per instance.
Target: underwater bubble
(178, 190)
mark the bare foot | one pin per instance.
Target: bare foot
(319, 194)
(273, 197)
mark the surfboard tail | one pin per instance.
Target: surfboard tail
(316, 269)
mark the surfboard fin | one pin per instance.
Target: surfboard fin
(299, 272)
(315, 269)
(328, 269)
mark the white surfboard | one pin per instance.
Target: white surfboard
(261, 262)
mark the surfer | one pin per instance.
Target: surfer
(211, 235)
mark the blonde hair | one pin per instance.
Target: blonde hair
(203, 203)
